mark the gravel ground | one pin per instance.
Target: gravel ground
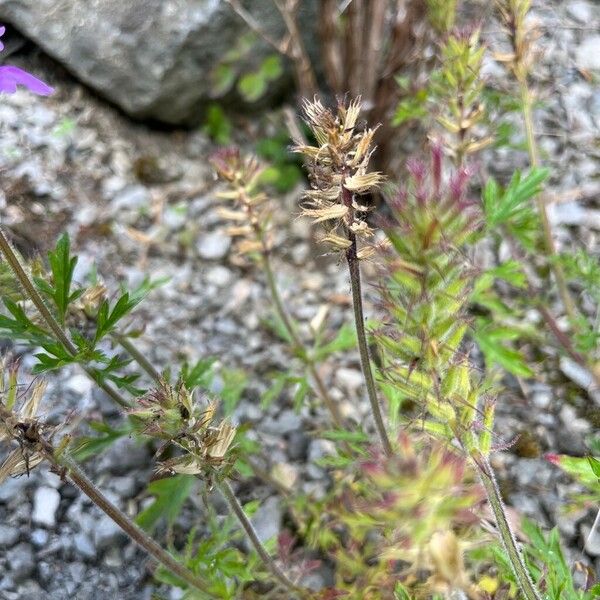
(73, 163)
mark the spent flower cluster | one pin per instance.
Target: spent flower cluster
(339, 172)
(180, 417)
(18, 421)
(250, 220)
(522, 36)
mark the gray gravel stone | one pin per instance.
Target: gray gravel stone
(84, 546)
(125, 456)
(580, 10)
(8, 536)
(13, 487)
(80, 384)
(132, 197)
(174, 217)
(21, 562)
(297, 445)
(320, 449)
(267, 519)
(107, 533)
(569, 442)
(219, 276)
(45, 505)
(286, 422)
(349, 379)
(124, 486)
(39, 537)
(587, 55)
(591, 542)
(213, 245)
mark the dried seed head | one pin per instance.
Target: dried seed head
(83, 312)
(522, 36)
(445, 553)
(251, 215)
(338, 168)
(230, 165)
(186, 420)
(19, 423)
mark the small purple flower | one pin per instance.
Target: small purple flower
(11, 77)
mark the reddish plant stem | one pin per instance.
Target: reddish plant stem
(359, 321)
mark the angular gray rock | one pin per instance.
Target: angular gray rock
(107, 533)
(267, 519)
(213, 245)
(8, 536)
(45, 504)
(21, 562)
(587, 55)
(153, 58)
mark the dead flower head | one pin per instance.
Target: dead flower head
(521, 33)
(18, 422)
(250, 217)
(187, 420)
(339, 172)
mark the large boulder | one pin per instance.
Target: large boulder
(153, 58)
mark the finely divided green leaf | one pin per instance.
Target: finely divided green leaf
(170, 495)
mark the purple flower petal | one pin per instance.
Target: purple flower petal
(2, 31)
(11, 76)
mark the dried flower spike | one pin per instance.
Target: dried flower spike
(19, 425)
(176, 416)
(250, 220)
(339, 172)
(521, 34)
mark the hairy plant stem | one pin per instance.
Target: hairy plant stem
(268, 561)
(139, 358)
(488, 479)
(80, 480)
(359, 322)
(291, 330)
(363, 348)
(53, 324)
(550, 247)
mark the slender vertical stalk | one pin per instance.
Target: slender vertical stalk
(486, 475)
(291, 330)
(278, 303)
(307, 81)
(359, 321)
(550, 247)
(139, 358)
(592, 538)
(291, 46)
(268, 561)
(363, 348)
(80, 480)
(25, 281)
